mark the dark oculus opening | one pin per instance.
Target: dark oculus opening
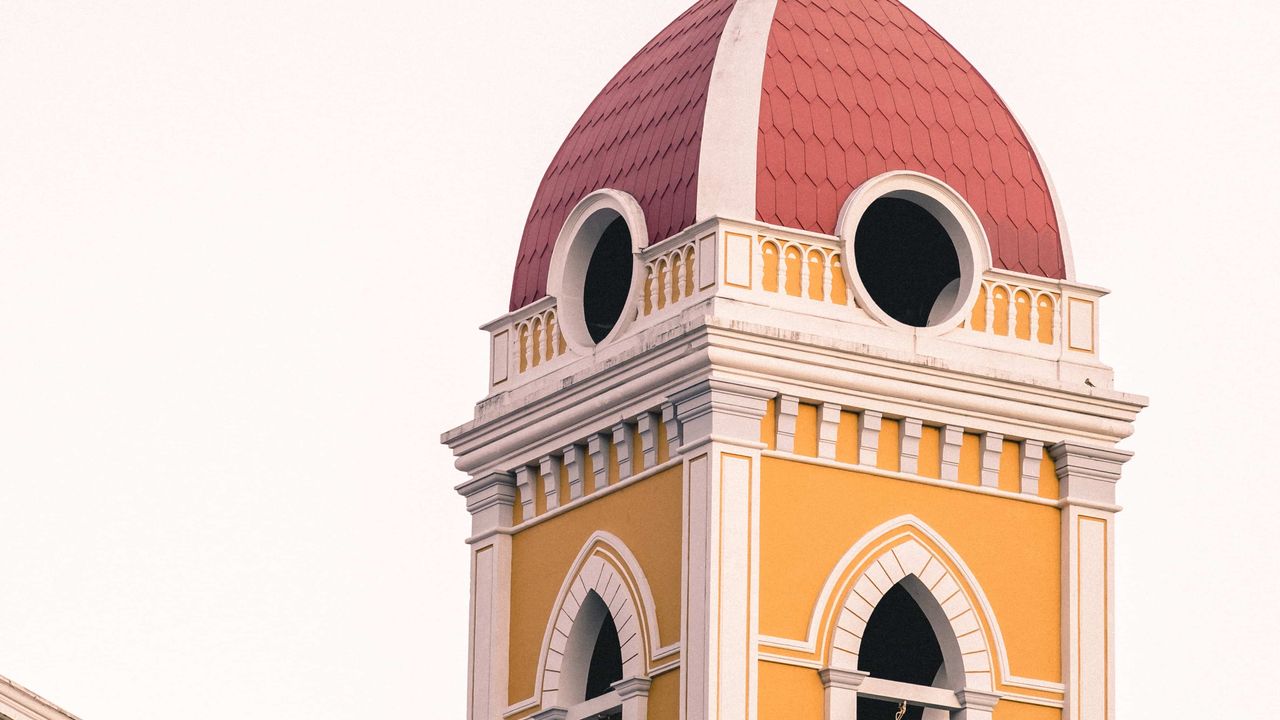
(604, 295)
(905, 259)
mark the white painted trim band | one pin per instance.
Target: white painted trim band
(727, 160)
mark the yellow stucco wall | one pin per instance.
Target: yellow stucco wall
(812, 515)
(664, 696)
(789, 693)
(646, 516)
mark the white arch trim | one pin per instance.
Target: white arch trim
(606, 566)
(901, 557)
(873, 545)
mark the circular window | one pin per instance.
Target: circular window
(907, 262)
(608, 281)
(594, 268)
(918, 251)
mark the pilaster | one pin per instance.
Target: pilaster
(1087, 477)
(634, 694)
(491, 502)
(720, 425)
(840, 692)
(975, 704)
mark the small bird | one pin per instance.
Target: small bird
(1089, 382)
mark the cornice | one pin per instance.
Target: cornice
(699, 346)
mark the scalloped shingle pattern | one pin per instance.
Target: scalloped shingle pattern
(642, 134)
(854, 88)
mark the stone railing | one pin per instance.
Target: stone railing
(1042, 317)
(1016, 308)
(526, 342)
(811, 268)
(805, 273)
(670, 274)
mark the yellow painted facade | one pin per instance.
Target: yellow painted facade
(812, 515)
(645, 515)
(812, 512)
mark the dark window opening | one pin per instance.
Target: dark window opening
(899, 643)
(608, 280)
(606, 661)
(905, 259)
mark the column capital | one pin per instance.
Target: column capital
(720, 410)
(970, 698)
(1088, 472)
(837, 678)
(490, 500)
(632, 687)
(487, 489)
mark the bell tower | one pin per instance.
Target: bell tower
(798, 411)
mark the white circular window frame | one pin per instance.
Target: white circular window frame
(951, 211)
(567, 276)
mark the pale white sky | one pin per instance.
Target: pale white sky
(238, 304)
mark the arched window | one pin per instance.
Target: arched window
(605, 667)
(599, 639)
(900, 645)
(592, 658)
(910, 635)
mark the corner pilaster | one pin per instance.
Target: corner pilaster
(1087, 476)
(491, 502)
(720, 434)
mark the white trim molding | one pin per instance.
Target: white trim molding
(727, 158)
(572, 254)
(959, 625)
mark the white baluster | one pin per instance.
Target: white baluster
(652, 269)
(991, 309)
(1013, 313)
(804, 273)
(1035, 319)
(827, 278)
(782, 269)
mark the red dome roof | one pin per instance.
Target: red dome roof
(843, 90)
